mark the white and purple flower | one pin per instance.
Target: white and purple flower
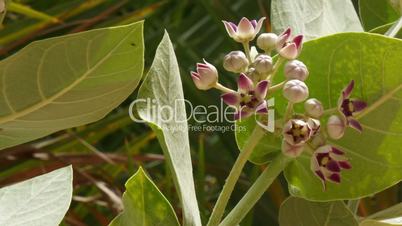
(349, 106)
(245, 31)
(249, 98)
(327, 163)
(289, 49)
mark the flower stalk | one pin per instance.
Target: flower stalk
(256, 191)
(234, 175)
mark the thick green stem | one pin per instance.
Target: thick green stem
(234, 175)
(353, 205)
(393, 31)
(256, 191)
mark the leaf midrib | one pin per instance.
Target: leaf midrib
(49, 100)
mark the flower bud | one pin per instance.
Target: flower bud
(206, 76)
(267, 41)
(314, 125)
(263, 64)
(335, 127)
(296, 69)
(235, 61)
(313, 108)
(295, 91)
(292, 151)
(296, 132)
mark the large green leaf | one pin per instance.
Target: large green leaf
(297, 211)
(377, 13)
(374, 62)
(43, 200)
(388, 217)
(67, 81)
(144, 204)
(314, 18)
(267, 148)
(162, 86)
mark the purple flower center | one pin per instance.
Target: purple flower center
(347, 107)
(249, 101)
(299, 132)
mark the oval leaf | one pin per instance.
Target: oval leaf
(374, 62)
(67, 81)
(144, 204)
(314, 18)
(162, 86)
(43, 200)
(297, 211)
(266, 149)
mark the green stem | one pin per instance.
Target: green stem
(256, 191)
(246, 46)
(223, 88)
(353, 205)
(393, 31)
(330, 111)
(234, 175)
(277, 87)
(289, 111)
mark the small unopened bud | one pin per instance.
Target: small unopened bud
(296, 131)
(263, 63)
(206, 76)
(296, 69)
(267, 41)
(313, 108)
(292, 151)
(235, 61)
(295, 91)
(335, 127)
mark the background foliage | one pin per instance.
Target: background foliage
(106, 153)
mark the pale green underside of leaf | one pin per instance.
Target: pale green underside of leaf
(144, 204)
(388, 217)
(374, 62)
(376, 13)
(163, 85)
(314, 18)
(299, 212)
(68, 81)
(40, 201)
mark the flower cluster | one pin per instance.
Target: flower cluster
(256, 71)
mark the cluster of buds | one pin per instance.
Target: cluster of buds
(256, 70)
